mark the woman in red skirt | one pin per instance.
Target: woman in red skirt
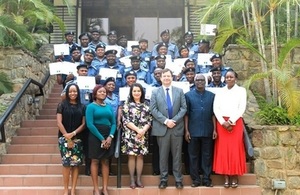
(229, 152)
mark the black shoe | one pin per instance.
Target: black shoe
(179, 185)
(195, 184)
(155, 173)
(162, 185)
(207, 184)
(87, 172)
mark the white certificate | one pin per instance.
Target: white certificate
(108, 72)
(86, 82)
(185, 86)
(63, 68)
(126, 61)
(142, 82)
(115, 47)
(130, 43)
(208, 29)
(204, 59)
(175, 68)
(124, 93)
(149, 90)
(61, 49)
(214, 90)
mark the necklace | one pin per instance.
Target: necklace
(100, 104)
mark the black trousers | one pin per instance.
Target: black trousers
(204, 146)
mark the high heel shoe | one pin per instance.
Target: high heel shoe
(226, 184)
(132, 186)
(139, 185)
(234, 182)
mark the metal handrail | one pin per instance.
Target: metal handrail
(118, 157)
(17, 99)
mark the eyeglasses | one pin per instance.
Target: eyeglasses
(200, 80)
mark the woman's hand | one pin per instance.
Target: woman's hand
(69, 135)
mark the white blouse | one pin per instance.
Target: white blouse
(230, 103)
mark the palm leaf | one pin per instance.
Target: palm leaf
(285, 51)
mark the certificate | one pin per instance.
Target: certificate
(149, 90)
(185, 86)
(86, 82)
(130, 43)
(124, 93)
(214, 90)
(115, 47)
(107, 72)
(175, 68)
(126, 61)
(204, 59)
(61, 49)
(208, 29)
(63, 68)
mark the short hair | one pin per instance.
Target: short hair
(231, 70)
(68, 90)
(96, 88)
(131, 99)
(166, 70)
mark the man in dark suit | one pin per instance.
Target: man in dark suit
(168, 107)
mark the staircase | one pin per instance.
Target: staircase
(33, 166)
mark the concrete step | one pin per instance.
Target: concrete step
(148, 190)
(31, 159)
(48, 112)
(46, 117)
(37, 131)
(83, 180)
(39, 123)
(51, 139)
(50, 106)
(54, 99)
(33, 149)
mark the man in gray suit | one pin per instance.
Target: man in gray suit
(168, 107)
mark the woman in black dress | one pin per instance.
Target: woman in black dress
(70, 121)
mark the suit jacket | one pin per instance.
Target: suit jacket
(159, 110)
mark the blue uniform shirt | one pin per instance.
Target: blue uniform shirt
(113, 102)
(200, 112)
(85, 94)
(172, 50)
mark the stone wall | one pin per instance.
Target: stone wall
(20, 65)
(277, 156)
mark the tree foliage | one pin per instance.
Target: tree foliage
(22, 21)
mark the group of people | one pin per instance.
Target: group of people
(88, 119)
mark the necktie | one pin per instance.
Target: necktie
(169, 104)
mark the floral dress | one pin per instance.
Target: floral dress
(139, 114)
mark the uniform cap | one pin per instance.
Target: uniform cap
(188, 33)
(100, 45)
(90, 51)
(113, 32)
(135, 46)
(81, 66)
(187, 61)
(215, 56)
(189, 70)
(69, 33)
(135, 58)
(109, 79)
(161, 45)
(203, 41)
(112, 51)
(83, 34)
(75, 47)
(160, 57)
(215, 69)
(164, 32)
(130, 73)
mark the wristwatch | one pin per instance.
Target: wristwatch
(112, 136)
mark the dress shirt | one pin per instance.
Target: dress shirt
(230, 103)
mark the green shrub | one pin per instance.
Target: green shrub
(270, 114)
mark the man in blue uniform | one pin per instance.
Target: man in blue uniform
(172, 48)
(189, 42)
(216, 75)
(95, 39)
(113, 64)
